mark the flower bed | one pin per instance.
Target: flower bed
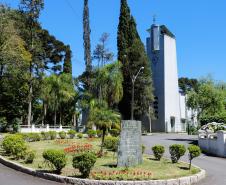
(76, 148)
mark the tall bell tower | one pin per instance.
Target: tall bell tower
(161, 49)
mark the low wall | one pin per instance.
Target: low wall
(45, 128)
(213, 143)
(76, 181)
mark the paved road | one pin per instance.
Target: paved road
(214, 166)
(9, 176)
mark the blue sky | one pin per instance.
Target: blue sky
(199, 26)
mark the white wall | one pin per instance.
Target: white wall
(172, 104)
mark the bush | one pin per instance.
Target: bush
(33, 137)
(16, 124)
(52, 135)
(114, 132)
(30, 155)
(91, 133)
(57, 158)
(84, 162)
(71, 133)
(62, 135)
(15, 145)
(45, 135)
(158, 151)
(80, 135)
(111, 143)
(143, 149)
(194, 151)
(99, 133)
(3, 124)
(176, 152)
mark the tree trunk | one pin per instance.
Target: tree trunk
(55, 117)
(29, 105)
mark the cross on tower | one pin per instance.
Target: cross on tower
(154, 19)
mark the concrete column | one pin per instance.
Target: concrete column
(32, 128)
(61, 128)
(47, 128)
(221, 135)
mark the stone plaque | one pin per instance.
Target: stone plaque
(130, 148)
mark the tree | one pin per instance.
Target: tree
(187, 84)
(32, 9)
(87, 45)
(131, 53)
(67, 61)
(207, 100)
(101, 53)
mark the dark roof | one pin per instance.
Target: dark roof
(165, 30)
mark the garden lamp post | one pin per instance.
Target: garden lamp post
(133, 82)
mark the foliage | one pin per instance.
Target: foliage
(99, 133)
(57, 158)
(114, 132)
(194, 151)
(132, 54)
(71, 133)
(80, 135)
(14, 145)
(52, 135)
(143, 148)
(30, 156)
(45, 135)
(158, 151)
(3, 124)
(84, 162)
(192, 130)
(62, 134)
(176, 152)
(91, 133)
(111, 143)
(218, 118)
(187, 84)
(31, 137)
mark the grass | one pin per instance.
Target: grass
(105, 167)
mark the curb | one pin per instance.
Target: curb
(76, 181)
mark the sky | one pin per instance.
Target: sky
(199, 26)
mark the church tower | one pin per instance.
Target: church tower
(161, 49)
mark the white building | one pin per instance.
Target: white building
(169, 104)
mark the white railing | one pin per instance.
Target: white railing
(45, 128)
(213, 143)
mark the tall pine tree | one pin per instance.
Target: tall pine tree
(67, 60)
(131, 52)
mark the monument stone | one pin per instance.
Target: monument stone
(130, 148)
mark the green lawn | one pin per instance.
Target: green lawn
(105, 167)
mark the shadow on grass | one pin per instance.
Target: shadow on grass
(184, 168)
(110, 165)
(152, 159)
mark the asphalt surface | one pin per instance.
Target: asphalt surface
(215, 167)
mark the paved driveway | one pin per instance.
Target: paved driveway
(214, 166)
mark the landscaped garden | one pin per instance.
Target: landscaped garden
(70, 157)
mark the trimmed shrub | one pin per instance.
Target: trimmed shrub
(56, 158)
(33, 137)
(15, 145)
(30, 155)
(62, 135)
(80, 135)
(176, 152)
(71, 133)
(114, 132)
(91, 133)
(84, 162)
(158, 151)
(16, 124)
(45, 135)
(194, 151)
(52, 135)
(143, 149)
(111, 143)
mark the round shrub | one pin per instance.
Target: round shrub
(176, 152)
(99, 133)
(15, 145)
(84, 162)
(71, 133)
(52, 135)
(194, 151)
(158, 151)
(114, 132)
(30, 155)
(57, 158)
(45, 135)
(62, 135)
(111, 143)
(80, 135)
(33, 137)
(91, 133)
